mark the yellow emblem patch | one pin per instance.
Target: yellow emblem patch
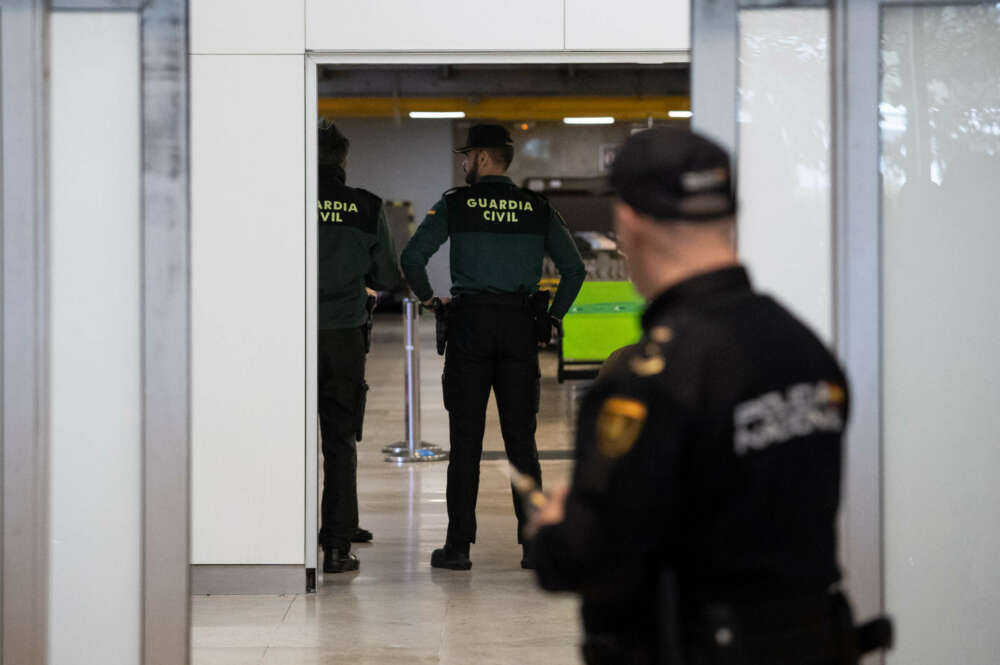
(661, 334)
(619, 424)
(648, 366)
(837, 395)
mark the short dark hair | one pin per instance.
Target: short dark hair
(333, 146)
(502, 155)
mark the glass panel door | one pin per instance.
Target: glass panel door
(783, 158)
(939, 122)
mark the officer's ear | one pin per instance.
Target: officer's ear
(627, 226)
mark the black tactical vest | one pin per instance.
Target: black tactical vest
(343, 206)
(496, 207)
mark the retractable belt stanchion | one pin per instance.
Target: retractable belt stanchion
(412, 449)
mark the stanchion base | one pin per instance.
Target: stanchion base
(402, 447)
(427, 452)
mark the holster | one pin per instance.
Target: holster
(366, 328)
(539, 304)
(442, 313)
(360, 415)
(818, 629)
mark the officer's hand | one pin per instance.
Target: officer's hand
(371, 292)
(429, 303)
(551, 512)
(555, 331)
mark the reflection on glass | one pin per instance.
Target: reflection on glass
(939, 120)
(784, 158)
(932, 121)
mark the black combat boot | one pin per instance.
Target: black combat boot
(339, 561)
(453, 557)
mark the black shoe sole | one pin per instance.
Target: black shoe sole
(450, 564)
(365, 537)
(351, 567)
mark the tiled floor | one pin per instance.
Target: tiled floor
(397, 609)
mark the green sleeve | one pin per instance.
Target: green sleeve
(560, 246)
(430, 235)
(384, 273)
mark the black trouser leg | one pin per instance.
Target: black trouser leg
(516, 386)
(341, 374)
(468, 374)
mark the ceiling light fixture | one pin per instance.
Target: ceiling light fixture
(680, 114)
(601, 120)
(432, 115)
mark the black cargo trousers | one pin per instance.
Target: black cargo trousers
(340, 365)
(491, 344)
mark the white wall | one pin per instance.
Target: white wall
(785, 218)
(434, 25)
(95, 309)
(514, 25)
(247, 26)
(248, 314)
(248, 247)
(411, 162)
(630, 25)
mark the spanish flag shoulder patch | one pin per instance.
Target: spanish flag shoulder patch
(618, 425)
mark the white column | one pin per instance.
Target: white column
(95, 373)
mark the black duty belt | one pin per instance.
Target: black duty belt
(511, 301)
(818, 629)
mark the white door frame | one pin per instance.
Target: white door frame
(313, 61)
(26, 339)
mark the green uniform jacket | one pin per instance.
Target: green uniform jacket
(499, 235)
(355, 250)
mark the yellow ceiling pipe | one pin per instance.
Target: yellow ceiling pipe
(508, 108)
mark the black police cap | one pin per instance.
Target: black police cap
(674, 174)
(486, 136)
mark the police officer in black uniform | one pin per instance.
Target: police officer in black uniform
(355, 252)
(701, 519)
(499, 235)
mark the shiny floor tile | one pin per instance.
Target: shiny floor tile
(397, 609)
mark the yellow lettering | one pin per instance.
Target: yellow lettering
(324, 216)
(493, 204)
(353, 208)
(527, 207)
(482, 202)
(503, 205)
(471, 203)
(337, 217)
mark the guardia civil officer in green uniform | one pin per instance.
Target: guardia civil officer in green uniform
(701, 521)
(355, 253)
(499, 235)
